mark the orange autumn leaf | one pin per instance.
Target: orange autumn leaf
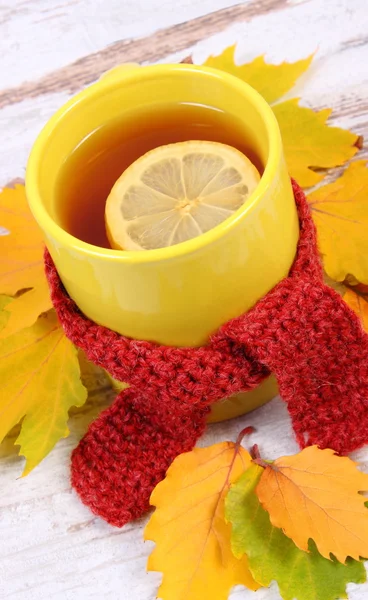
(21, 261)
(192, 538)
(4, 300)
(317, 495)
(24, 310)
(272, 556)
(358, 302)
(340, 212)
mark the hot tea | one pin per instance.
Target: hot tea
(90, 171)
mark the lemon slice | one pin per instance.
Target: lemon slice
(177, 192)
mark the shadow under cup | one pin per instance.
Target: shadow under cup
(178, 295)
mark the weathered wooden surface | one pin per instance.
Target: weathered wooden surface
(51, 547)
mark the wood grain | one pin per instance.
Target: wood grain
(146, 49)
(51, 546)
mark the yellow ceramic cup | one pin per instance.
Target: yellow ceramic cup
(177, 295)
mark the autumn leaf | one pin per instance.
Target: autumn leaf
(358, 302)
(192, 538)
(273, 556)
(316, 494)
(40, 381)
(24, 310)
(21, 261)
(310, 143)
(340, 212)
(355, 296)
(4, 301)
(361, 288)
(271, 81)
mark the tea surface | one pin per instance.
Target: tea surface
(91, 170)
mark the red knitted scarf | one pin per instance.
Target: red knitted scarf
(301, 330)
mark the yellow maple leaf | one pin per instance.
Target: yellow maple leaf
(317, 495)
(21, 261)
(271, 81)
(340, 212)
(358, 302)
(4, 300)
(192, 538)
(24, 310)
(40, 381)
(309, 142)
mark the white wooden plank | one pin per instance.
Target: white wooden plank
(51, 547)
(338, 77)
(41, 35)
(19, 126)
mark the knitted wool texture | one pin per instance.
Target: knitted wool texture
(301, 330)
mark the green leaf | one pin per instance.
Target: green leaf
(272, 556)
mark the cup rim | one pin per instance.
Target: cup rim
(105, 85)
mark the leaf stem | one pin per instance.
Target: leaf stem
(254, 452)
(261, 462)
(257, 459)
(242, 434)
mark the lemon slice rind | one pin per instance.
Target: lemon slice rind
(176, 192)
